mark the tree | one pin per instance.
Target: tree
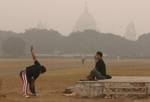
(14, 47)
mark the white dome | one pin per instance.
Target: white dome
(131, 31)
(85, 21)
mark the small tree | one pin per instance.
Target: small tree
(14, 47)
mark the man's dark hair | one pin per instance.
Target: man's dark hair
(43, 69)
(99, 53)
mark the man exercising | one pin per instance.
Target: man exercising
(30, 74)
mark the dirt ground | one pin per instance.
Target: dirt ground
(60, 74)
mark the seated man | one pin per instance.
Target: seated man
(99, 72)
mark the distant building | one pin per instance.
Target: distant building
(130, 33)
(40, 25)
(85, 21)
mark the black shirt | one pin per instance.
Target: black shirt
(101, 67)
(33, 71)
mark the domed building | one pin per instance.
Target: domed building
(130, 33)
(86, 21)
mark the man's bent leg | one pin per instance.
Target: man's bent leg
(98, 75)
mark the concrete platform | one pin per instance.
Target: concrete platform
(124, 79)
(118, 86)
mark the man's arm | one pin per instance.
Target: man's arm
(33, 54)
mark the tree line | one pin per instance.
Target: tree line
(51, 42)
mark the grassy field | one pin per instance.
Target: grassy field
(62, 73)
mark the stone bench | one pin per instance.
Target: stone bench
(118, 86)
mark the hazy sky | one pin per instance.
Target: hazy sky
(111, 15)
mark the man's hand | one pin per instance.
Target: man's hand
(33, 53)
(32, 48)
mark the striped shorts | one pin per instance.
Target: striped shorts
(24, 82)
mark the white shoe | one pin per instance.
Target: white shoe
(26, 96)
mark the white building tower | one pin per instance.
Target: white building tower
(85, 21)
(130, 33)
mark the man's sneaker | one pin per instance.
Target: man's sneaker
(26, 96)
(33, 94)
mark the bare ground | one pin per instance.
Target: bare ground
(61, 74)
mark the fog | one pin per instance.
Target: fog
(111, 15)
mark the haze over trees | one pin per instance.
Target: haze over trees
(13, 47)
(52, 42)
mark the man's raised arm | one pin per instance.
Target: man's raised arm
(33, 54)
